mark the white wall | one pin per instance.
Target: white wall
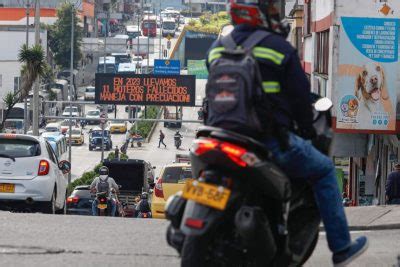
(366, 8)
(8, 70)
(323, 8)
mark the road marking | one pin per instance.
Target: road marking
(352, 232)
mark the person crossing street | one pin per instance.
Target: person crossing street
(161, 140)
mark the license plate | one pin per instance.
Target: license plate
(7, 188)
(102, 206)
(209, 195)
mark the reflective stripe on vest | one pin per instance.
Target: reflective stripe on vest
(215, 53)
(270, 54)
(258, 52)
(271, 87)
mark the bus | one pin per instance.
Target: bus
(58, 142)
(168, 27)
(110, 65)
(133, 31)
(149, 26)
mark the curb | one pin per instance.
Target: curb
(392, 226)
(154, 126)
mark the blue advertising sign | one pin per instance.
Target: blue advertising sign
(167, 67)
(368, 71)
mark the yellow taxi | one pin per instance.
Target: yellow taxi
(118, 127)
(77, 136)
(172, 179)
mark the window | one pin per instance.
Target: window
(307, 17)
(19, 148)
(176, 174)
(322, 57)
(17, 81)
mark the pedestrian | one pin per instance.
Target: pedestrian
(393, 186)
(161, 141)
(116, 152)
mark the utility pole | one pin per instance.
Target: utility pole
(26, 112)
(159, 45)
(138, 26)
(71, 86)
(105, 70)
(35, 100)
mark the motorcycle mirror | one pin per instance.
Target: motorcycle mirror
(323, 104)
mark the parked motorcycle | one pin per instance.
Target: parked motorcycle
(242, 210)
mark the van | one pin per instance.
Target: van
(110, 65)
(60, 88)
(168, 27)
(127, 67)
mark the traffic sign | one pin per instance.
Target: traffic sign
(167, 67)
(169, 44)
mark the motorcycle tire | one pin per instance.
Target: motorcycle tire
(310, 249)
(194, 252)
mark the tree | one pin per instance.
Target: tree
(34, 66)
(60, 37)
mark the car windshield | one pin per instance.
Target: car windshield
(122, 59)
(67, 123)
(52, 129)
(110, 68)
(13, 124)
(19, 148)
(74, 109)
(90, 89)
(149, 25)
(98, 133)
(176, 174)
(169, 25)
(75, 132)
(93, 113)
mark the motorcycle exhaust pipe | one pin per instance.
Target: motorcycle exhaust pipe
(254, 229)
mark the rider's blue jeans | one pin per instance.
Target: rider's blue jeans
(303, 161)
(110, 202)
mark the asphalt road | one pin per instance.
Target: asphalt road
(103, 241)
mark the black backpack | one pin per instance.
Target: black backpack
(234, 87)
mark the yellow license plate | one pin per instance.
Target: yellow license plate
(209, 195)
(102, 206)
(7, 188)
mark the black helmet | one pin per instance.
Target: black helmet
(103, 170)
(144, 195)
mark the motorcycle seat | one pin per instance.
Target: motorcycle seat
(234, 138)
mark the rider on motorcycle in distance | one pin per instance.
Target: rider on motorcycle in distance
(112, 186)
(289, 90)
(143, 206)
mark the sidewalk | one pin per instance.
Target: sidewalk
(373, 218)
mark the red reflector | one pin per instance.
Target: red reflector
(158, 189)
(102, 200)
(234, 153)
(194, 223)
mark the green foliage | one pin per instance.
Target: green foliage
(60, 36)
(122, 156)
(144, 127)
(209, 23)
(9, 100)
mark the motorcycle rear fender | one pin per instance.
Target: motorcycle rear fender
(193, 210)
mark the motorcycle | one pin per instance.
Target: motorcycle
(178, 141)
(242, 210)
(102, 204)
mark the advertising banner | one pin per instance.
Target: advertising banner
(133, 89)
(198, 68)
(167, 67)
(367, 74)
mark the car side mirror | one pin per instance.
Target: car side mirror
(64, 166)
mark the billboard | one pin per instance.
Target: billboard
(145, 89)
(367, 74)
(167, 67)
(198, 68)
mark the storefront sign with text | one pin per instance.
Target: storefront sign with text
(128, 89)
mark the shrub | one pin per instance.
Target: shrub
(144, 127)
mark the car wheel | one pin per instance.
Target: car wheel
(63, 211)
(50, 207)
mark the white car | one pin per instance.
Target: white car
(89, 93)
(53, 127)
(31, 176)
(93, 114)
(74, 109)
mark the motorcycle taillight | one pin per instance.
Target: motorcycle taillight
(102, 200)
(237, 154)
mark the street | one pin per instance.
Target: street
(95, 241)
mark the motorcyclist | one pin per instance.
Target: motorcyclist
(177, 135)
(287, 86)
(112, 187)
(143, 206)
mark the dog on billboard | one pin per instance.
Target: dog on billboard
(370, 89)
